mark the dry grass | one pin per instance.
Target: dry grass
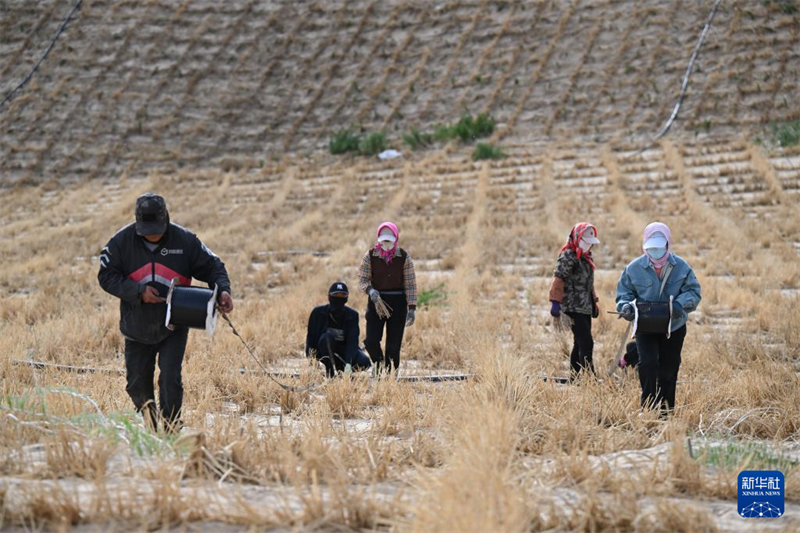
(504, 451)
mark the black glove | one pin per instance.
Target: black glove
(595, 310)
(627, 312)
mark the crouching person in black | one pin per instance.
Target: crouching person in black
(333, 334)
(137, 266)
(631, 357)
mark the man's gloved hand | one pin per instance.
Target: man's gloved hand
(150, 295)
(627, 312)
(225, 302)
(677, 309)
(348, 369)
(374, 295)
(595, 310)
(555, 309)
(410, 317)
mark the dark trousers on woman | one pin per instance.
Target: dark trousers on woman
(331, 353)
(583, 346)
(140, 366)
(395, 327)
(659, 360)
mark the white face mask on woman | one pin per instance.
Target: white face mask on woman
(656, 253)
(585, 246)
(387, 246)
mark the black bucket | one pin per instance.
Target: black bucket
(653, 317)
(193, 307)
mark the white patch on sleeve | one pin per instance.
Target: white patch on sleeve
(105, 257)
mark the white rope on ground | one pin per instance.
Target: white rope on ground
(685, 84)
(27, 78)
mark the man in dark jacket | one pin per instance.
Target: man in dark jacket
(137, 266)
(333, 334)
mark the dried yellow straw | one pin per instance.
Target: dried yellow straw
(563, 323)
(383, 309)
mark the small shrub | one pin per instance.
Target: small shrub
(485, 151)
(467, 129)
(344, 141)
(416, 139)
(483, 125)
(444, 132)
(787, 134)
(788, 7)
(373, 143)
(431, 297)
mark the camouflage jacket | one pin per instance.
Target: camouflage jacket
(573, 284)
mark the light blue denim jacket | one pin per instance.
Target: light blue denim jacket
(640, 282)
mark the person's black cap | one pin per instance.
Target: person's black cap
(151, 214)
(337, 288)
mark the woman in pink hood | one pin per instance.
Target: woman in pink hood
(387, 274)
(658, 278)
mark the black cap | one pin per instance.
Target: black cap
(338, 287)
(151, 214)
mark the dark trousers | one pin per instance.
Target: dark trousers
(659, 360)
(331, 353)
(140, 364)
(395, 327)
(583, 345)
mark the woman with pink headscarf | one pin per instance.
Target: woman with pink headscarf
(658, 280)
(387, 276)
(572, 293)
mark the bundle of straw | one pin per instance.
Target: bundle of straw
(563, 323)
(383, 309)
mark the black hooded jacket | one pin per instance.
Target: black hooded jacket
(127, 265)
(319, 322)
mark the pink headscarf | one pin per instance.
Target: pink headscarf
(388, 256)
(649, 231)
(574, 239)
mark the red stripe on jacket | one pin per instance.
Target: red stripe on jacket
(145, 274)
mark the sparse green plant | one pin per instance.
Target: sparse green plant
(443, 132)
(788, 7)
(432, 297)
(417, 140)
(787, 134)
(373, 143)
(467, 129)
(731, 454)
(344, 141)
(485, 151)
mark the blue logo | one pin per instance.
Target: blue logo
(761, 494)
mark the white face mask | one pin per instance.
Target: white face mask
(585, 246)
(387, 246)
(656, 253)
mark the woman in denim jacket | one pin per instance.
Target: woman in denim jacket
(659, 353)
